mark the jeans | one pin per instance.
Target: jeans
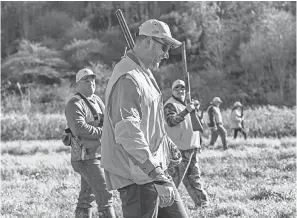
(216, 132)
(141, 201)
(93, 186)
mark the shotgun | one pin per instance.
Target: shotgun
(196, 124)
(242, 122)
(125, 29)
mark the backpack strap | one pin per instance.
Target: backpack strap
(93, 110)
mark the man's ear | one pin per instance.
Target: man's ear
(148, 42)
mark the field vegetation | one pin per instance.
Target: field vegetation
(254, 178)
(265, 121)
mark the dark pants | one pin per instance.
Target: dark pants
(220, 131)
(192, 179)
(93, 186)
(141, 201)
(239, 130)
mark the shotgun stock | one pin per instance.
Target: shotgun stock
(196, 124)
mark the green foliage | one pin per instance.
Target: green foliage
(78, 52)
(261, 122)
(79, 31)
(32, 61)
(32, 127)
(268, 121)
(269, 56)
(249, 47)
(52, 24)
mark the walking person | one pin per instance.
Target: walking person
(216, 123)
(84, 115)
(136, 151)
(237, 119)
(179, 129)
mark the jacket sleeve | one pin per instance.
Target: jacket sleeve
(236, 116)
(127, 125)
(172, 117)
(76, 120)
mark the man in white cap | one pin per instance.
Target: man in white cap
(136, 150)
(84, 115)
(216, 122)
(236, 119)
(179, 129)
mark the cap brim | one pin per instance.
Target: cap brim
(173, 42)
(93, 75)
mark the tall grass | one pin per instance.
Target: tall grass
(253, 179)
(266, 121)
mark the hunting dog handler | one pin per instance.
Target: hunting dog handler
(84, 114)
(136, 151)
(179, 129)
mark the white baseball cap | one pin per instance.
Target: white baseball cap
(159, 29)
(84, 72)
(178, 82)
(237, 104)
(216, 99)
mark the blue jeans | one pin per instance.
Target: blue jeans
(141, 201)
(93, 186)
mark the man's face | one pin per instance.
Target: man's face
(160, 51)
(179, 92)
(87, 85)
(217, 103)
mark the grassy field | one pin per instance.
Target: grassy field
(254, 178)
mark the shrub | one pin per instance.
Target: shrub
(32, 127)
(79, 52)
(79, 31)
(267, 121)
(31, 62)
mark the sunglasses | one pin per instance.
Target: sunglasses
(177, 88)
(165, 46)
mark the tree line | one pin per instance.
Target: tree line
(238, 50)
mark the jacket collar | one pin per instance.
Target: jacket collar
(177, 99)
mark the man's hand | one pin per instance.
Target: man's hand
(196, 104)
(190, 107)
(166, 194)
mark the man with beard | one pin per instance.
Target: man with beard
(179, 129)
(86, 128)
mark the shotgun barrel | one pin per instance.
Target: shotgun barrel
(125, 29)
(196, 123)
(186, 73)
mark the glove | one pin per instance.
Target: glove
(165, 192)
(176, 157)
(196, 104)
(175, 154)
(190, 107)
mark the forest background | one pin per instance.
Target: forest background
(242, 51)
